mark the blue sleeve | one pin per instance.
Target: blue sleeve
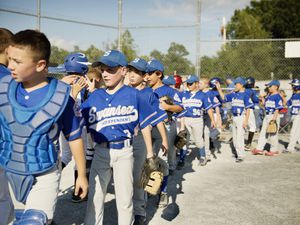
(206, 102)
(279, 103)
(145, 111)
(177, 99)
(248, 101)
(161, 114)
(228, 97)
(72, 121)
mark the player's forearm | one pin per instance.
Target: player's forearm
(211, 115)
(182, 123)
(174, 108)
(148, 141)
(162, 130)
(275, 114)
(78, 152)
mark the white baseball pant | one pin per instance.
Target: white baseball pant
(263, 137)
(108, 162)
(238, 133)
(295, 134)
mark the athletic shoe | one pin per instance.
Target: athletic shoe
(202, 161)
(257, 152)
(163, 200)
(180, 165)
(270, 153)
(248, 147)
(139, 220)
(239, 160)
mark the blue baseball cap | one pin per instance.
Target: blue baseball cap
(191, 79)
(273, 82)
(139, 64)
(155, 65)
(111, 58)
(240, 80)
(169, 80)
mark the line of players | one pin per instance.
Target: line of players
(197, 108)
(126, 125)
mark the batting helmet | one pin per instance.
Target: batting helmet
(178, 81)
(250, 82)
(76, 63)
(295, 84)
(213, 81)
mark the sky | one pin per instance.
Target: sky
(135, 13)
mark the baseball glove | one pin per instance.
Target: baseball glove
(180, 139)
(169, 101)
(152, 176)
(272, 127)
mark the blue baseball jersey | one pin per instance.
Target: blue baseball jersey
(253, 95)
(294, 104)
(113, 117)
(168, 91)
(239, 102)
(153, 100)
(4, 71)
(273, 103)
(70, 123)
(214, 98)
(195, 103)
(183, 112)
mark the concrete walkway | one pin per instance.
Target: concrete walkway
(262, 190)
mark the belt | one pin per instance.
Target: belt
(117, 144)
(269, 113)
(237, 114)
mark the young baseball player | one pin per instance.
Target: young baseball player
(111, 115)
(136, 75)
(208, 130)
(154, 78)
(6, 205)
(195, 102)
(294, 104)
(241, 105)
(273, 103)
(250, 84)
(33, 112)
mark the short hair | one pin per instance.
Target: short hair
(95, 70)
(5, 39)
(36, 41)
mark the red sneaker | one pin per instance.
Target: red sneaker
(256, 152)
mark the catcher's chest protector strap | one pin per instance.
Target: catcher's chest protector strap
(26, 143)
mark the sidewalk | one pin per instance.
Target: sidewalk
(262, 190)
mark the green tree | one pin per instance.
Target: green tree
(57, 55)
(129, 48)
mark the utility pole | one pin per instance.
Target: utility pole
(198, 43)
(119, 24)
(38, 15)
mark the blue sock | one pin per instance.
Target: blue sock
(164, 184)
(182, 155)
(202, 152)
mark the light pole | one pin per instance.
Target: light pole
(119, 24)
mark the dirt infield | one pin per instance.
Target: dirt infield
(262, 190)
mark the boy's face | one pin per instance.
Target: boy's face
(273, 89)
(112, 75)
(22, 65)
(239, 86)
(135, 77)
(192, 86)
(153, 78)
(203, 84)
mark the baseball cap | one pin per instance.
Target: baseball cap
(169, 80)
(240, 80)
(191, 79)
(273, 82)
(155, 65)
(111, 58)
(139, 64)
